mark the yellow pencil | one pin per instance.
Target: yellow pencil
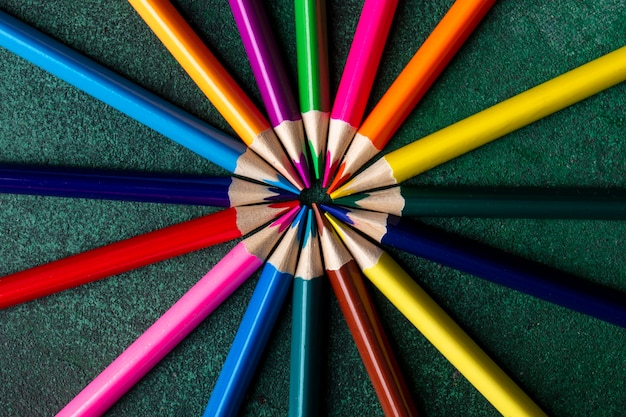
(490, 124)
(437, 326)
(215, 82)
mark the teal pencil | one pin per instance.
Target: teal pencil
(308, 296)
(493, 202)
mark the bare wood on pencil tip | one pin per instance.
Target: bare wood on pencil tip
(340, 133)
(261, 243)
(388, 200)
(364, 252)
(252, 217)
(267, 146)
(371, 223)
(310, 263)
(291, 135)
(285, 256)
(334, 252)
(243, 193)
(379, 174)
(316, 128)
(358, 153)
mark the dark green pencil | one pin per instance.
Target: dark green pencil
(493, 202)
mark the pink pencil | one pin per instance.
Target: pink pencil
(177, 322)
(357, 79)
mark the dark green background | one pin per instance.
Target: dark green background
(51, 348)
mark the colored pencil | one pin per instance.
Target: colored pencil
(256, 325)
(489, 263)
(135, 252)
(411, 85)
(177, 322)
(357, 79)
(493, 202)
(437, 326)
(137, 186)
(490, 124)
(215, 82)
(313, 77)
(365, 326)
(134, 101)
(271, 78)
(309, 289)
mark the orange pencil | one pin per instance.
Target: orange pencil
(215, 82)
(411, 85)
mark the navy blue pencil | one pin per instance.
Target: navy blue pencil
(489, 263)
(136, 186)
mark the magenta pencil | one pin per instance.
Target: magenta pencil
(357, 79)
(271, 77)
(177, 322)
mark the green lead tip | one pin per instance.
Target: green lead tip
(315, 158)
(350, 200)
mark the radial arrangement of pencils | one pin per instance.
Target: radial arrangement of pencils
(301, 205)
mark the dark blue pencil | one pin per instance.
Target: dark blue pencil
(489, 263)
(136, 186)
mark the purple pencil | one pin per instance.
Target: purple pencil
(271, 77)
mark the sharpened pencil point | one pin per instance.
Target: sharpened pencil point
(338, 212)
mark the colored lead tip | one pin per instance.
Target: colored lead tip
(303, 169)
(338, 212)
(339, 179)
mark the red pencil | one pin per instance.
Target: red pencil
(135, 252)
(367, 331)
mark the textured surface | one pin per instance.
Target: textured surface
(50, 349)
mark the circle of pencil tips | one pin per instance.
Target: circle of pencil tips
(303, 138)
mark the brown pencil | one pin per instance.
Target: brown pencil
(367, 331)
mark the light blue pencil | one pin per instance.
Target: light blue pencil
(136, 102)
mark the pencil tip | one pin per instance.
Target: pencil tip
(329, 169)
(303, 169)
(340, 178)
(340, 213)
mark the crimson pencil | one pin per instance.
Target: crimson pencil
(135, 252)
(177, 322)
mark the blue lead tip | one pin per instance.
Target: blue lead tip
(340, 213)
(284, 184)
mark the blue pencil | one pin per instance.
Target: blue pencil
(137, 186)
(489, 263)
(306, 327)
(256, 325)
(136, 102)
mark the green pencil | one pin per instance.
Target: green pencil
(313, 78)
(493, 202)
